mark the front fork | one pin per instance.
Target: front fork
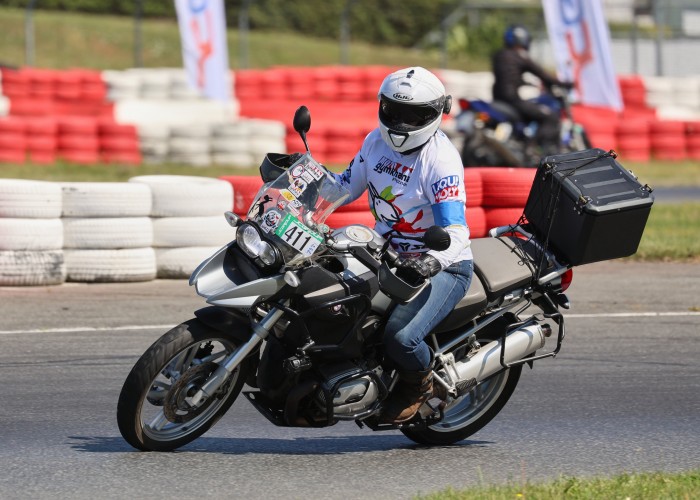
(260, 332)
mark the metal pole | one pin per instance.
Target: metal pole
(29, 34)
(243, 31)
(635, 43)
(138, 45)
(660, 24)
(345, 33)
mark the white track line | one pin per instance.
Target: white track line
(89, 329)
(168, 327)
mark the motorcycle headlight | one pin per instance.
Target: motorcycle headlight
(250, 241)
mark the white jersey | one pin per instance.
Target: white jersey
(409, 193)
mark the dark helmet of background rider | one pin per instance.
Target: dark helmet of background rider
(517, 36)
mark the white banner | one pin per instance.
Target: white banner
(204, 49)
(581, 41)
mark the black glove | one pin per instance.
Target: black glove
(416, 270)
(566, 85)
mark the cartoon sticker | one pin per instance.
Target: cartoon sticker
(270, 220)
(298, 186)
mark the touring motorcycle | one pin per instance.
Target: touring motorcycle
(296, 313)
(496, 135)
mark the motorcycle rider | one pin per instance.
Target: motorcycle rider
(509, 64)
(415, 179)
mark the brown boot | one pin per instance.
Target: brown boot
(411, 391)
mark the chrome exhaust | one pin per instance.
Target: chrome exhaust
(486, 361)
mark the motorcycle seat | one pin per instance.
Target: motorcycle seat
(500, 265)
(508, 111)
(471, 304)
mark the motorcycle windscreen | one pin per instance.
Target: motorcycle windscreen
(291, 208)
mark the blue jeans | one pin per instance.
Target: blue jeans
(410, 323)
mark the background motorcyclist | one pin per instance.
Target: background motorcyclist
(509, 65)
(415, 179)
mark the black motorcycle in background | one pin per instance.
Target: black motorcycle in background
(495, 134)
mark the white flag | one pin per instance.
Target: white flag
(581, 41)
(204, 49)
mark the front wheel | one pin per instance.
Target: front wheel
(469, 413)
(154, 411)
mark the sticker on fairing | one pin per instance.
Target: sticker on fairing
(270, 220)
(287, 195)
(298, 187)
(316, 172)
(298, 236)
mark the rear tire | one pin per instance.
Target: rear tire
(468, 414)
(151, 390)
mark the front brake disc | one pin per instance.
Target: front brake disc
(176, 408)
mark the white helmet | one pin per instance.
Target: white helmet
(411, 104)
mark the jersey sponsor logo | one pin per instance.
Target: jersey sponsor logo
(399, 173)
(446, 188)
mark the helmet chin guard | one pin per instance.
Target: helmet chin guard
(411, 104)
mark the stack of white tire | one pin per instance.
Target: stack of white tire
(188, 220)
(189, 144)
(31, 233)
(154, 141)
(107, 232)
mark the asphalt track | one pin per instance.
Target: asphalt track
(622, 396)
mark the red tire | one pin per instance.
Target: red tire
(506, 187)
(340, 219)
(473, 184)
(359, 205)
(13, 125)
(112, 129)
(12, 156)
(75, 142)
(633, 127)
(77, 125)
(42, 157)
(41, 126)
(119, 143)
(81, 157)
(42, 143)
(476, 220)
(667, 127)
(670, 142)
(122, 157)
(245, 188)
(13, 141)
(503, 216)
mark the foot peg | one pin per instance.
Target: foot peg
(465, 386)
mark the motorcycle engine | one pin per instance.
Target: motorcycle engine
(352, 392)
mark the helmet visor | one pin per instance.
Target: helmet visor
(406, 117)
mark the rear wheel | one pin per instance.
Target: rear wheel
(154, 412)
(468, 414)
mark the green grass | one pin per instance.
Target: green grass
(651, 486)
(65, 40)
(672, 233)
(659, 173)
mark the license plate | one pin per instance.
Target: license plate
(298, 236)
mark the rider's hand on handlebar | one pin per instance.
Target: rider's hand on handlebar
(416, 270)
(567, 85)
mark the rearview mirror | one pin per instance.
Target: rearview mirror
(302, 123)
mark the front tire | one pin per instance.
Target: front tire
(153, 412)
(468, 414)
